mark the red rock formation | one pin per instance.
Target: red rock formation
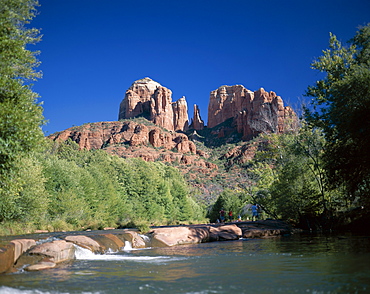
(197, 123)
(252, 112)
(160, 139)
(137, 99)
(161, 111)
(180, 115)
(102, 134)
(149, 99)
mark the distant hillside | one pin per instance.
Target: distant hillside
(209, 163)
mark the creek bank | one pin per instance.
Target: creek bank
(48, 250)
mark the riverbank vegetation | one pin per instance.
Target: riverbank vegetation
(316, 176)
(64, 188)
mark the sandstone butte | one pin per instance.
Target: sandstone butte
(251, 113)
(38, 254)
(151, 100)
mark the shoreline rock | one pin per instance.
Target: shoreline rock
(28, 255)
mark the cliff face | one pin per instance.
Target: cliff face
(252, 112)
(149, 99)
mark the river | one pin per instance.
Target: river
(292, 264)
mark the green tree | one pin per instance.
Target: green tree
(341, 107)
(296, 192)
(229, 200)
(288, 179)
(20, 114)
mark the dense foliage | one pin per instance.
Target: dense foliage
(20, 114)
(341, 109)
(288, 180)
(91, 189)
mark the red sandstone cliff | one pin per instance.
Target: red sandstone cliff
(151, 100)
(180, 115)
(114, 137)
(252, 112)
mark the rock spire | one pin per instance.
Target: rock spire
(197, 122)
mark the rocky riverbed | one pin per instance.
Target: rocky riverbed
(49, 249)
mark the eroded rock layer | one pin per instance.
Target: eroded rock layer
(104, 134)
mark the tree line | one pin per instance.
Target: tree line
(64, 188)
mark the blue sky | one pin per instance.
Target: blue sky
(93, 50)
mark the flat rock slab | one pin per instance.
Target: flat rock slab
(6, 257)
(264, 228)
(84, 242)
(23, 252)
(171, 236)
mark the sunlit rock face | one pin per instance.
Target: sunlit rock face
(149, 99)
(120, 134)
(252, 112)
(180, 115)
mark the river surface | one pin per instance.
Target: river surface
(293, 264)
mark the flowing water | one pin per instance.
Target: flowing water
(294, 264)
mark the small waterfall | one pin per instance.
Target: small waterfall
(83, 253)
(127, 246)
(145, 238)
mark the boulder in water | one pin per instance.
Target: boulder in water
(55, 251)
(84, 242)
